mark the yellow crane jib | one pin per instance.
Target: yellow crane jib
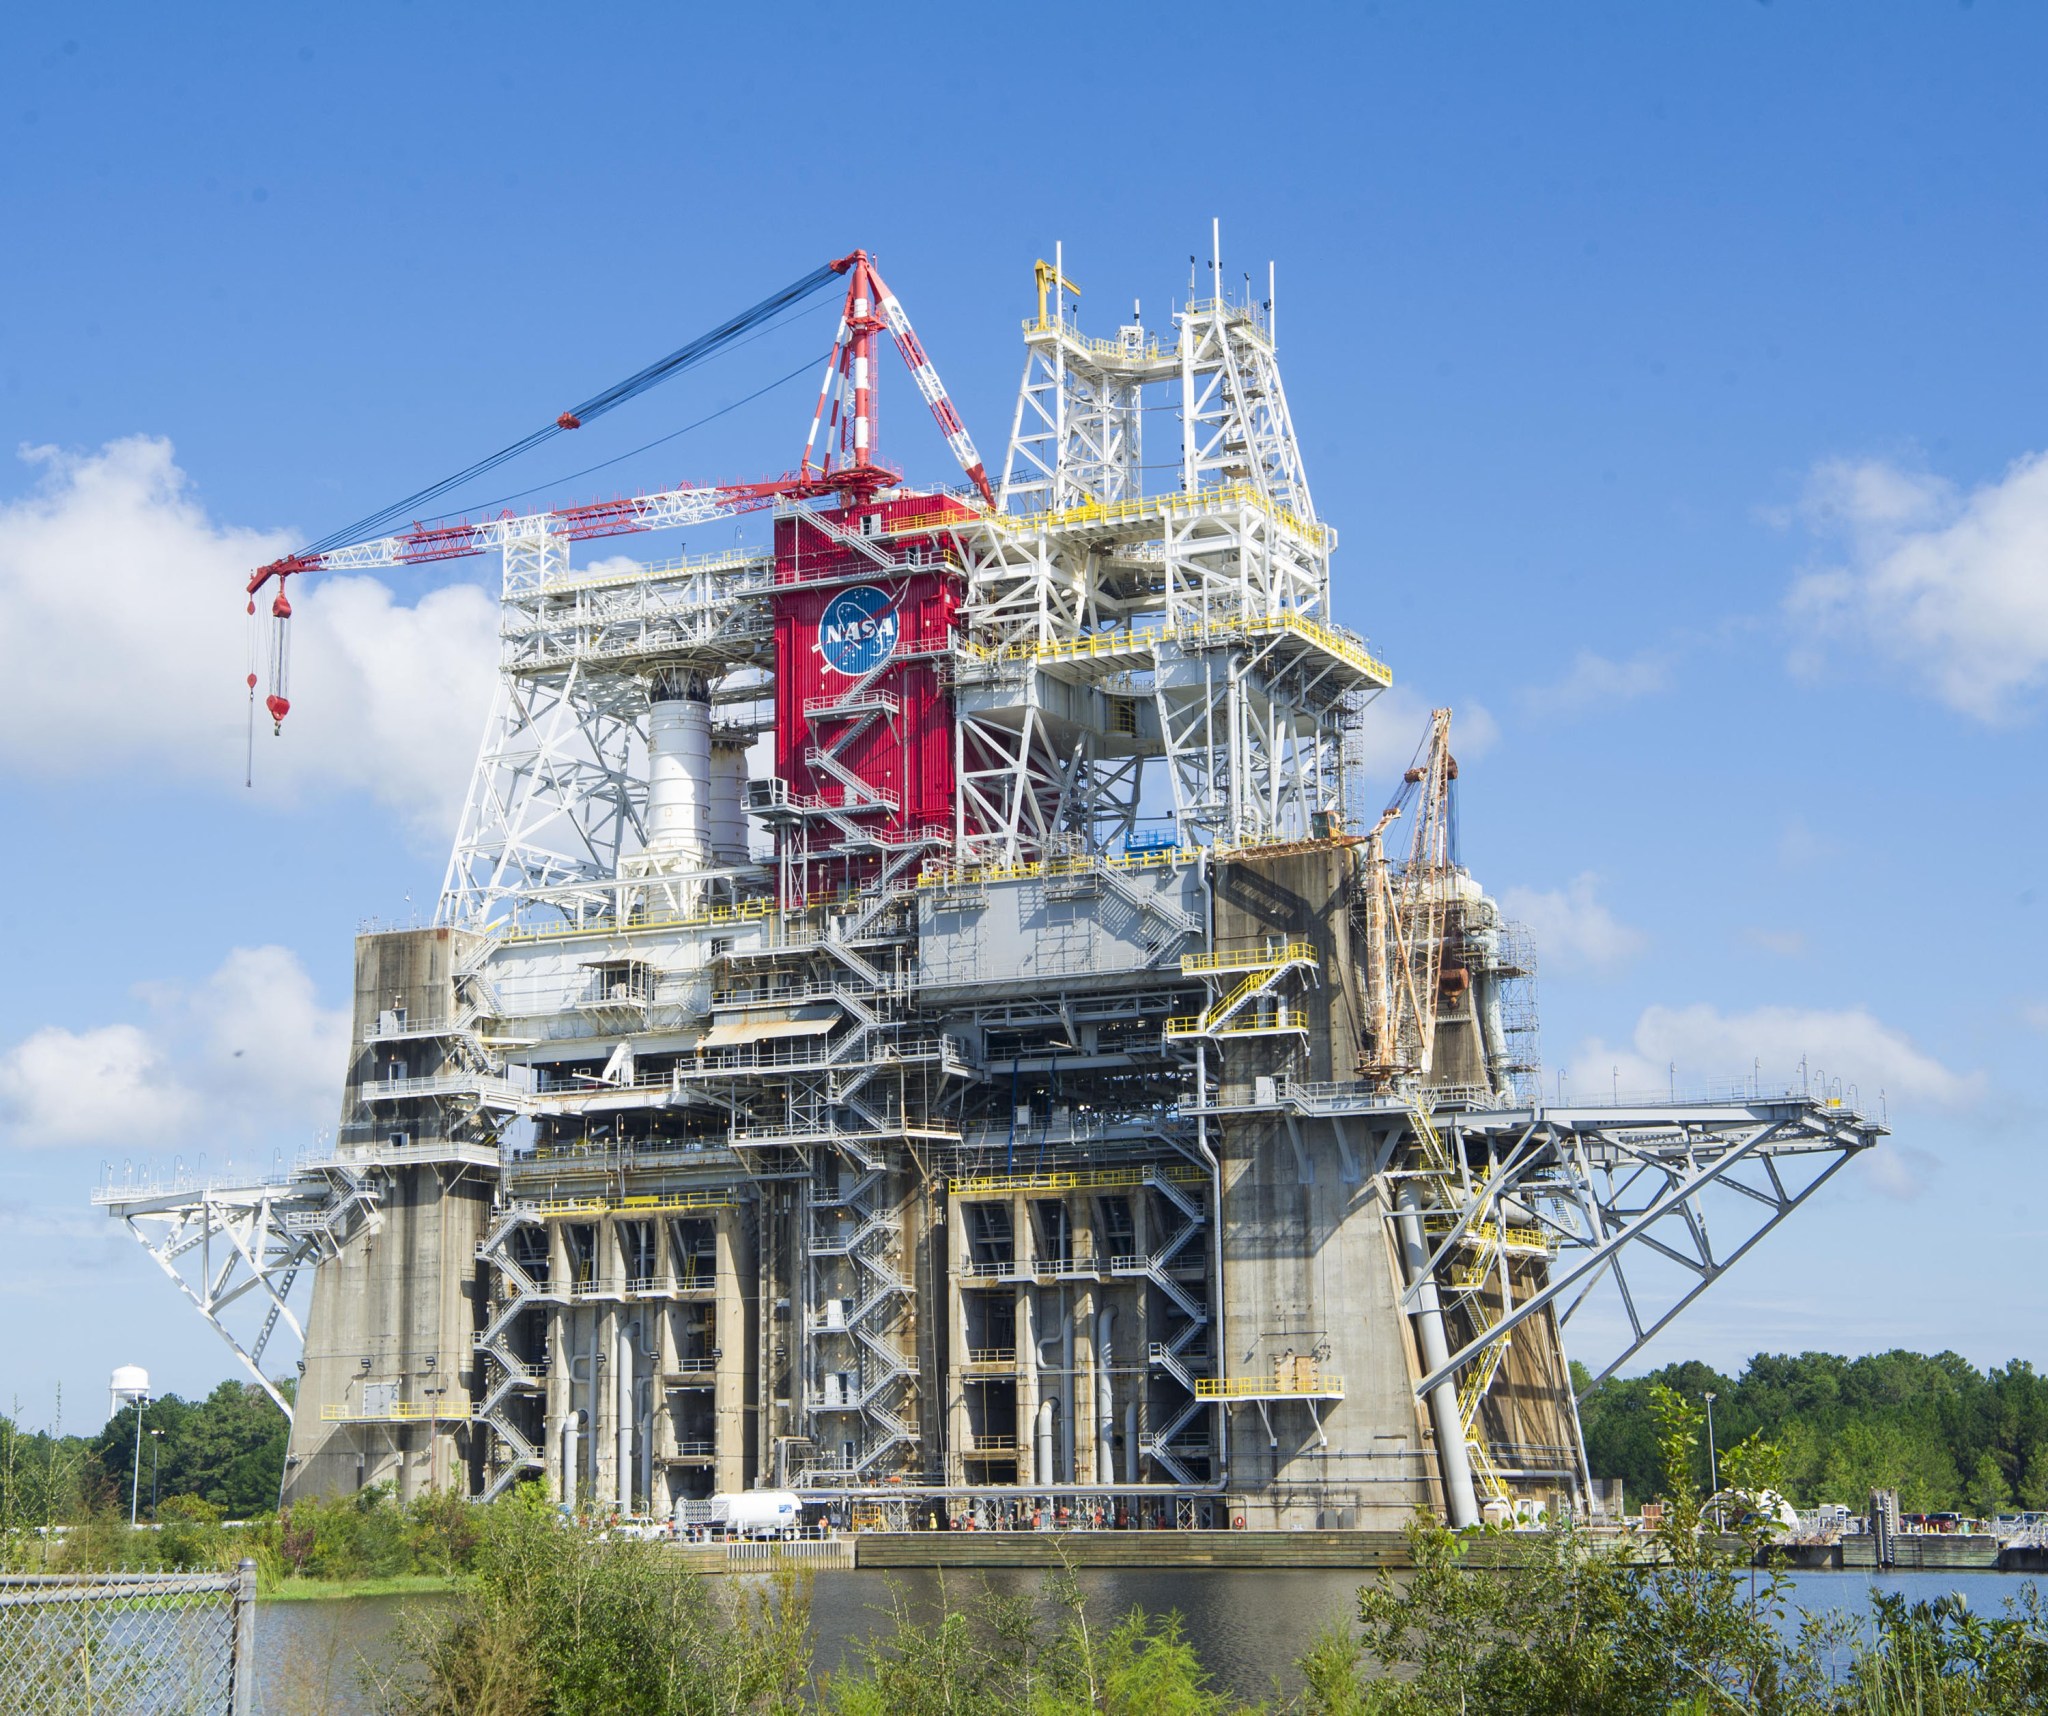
(1049, 277)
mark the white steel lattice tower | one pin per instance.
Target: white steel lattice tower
(1188, 627)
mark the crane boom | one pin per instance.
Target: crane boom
(1404, 915)
(426, 543)
(870, 308)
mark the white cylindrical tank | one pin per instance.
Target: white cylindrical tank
(679, 768)
(128, 1384)
(746, 1513)
(728, 803)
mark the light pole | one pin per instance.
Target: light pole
(135, 1482)
(156, 1448)
(1713, 1460)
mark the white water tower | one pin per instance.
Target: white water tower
(129, 1383)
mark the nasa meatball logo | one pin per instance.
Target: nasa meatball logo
(857, 631)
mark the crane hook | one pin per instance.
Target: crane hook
(277, 702)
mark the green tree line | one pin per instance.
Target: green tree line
(1947, 1436)
(226, 1451)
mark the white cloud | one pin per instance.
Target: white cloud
(1787, 944)
(123, 645)
(262, 1035)
(247, 1056)
(1799, 846)
(1947, 584)
(1572, 928)
(1701, 1049)
(61, 1087)
(1902, 1171)
(1595, 682)
(2036, 1014)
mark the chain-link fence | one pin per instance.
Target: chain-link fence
(128, 1644)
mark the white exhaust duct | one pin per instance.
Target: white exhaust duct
(679, 768)
(728, 803)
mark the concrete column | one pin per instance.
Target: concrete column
(555, 1349)
(666, 1263)
(1082, 1373)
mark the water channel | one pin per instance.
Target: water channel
(1248, 1628)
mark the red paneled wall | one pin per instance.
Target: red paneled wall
(839, 616)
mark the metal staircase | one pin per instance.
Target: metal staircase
(1262, 971)
(1164, 1445)
(516, 1291)
(852, 1237)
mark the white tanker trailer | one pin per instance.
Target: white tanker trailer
(744, 1513)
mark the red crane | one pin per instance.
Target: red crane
(848, 466)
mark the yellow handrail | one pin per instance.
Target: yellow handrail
(1085, 646)
(645, 1203)
(400, 1411)
(1065, 1180)
(1216, 497)
(1253, 1387)
(1270, 957)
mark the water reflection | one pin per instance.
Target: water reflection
(1248, 1628)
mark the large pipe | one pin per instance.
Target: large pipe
(1130, 1442)
(1042, 1472)
(1067, 1402)
(679, 767)
(1105, 1401)
(1452, 1457)
(571, 1422)
(591, 1393)
(644, 1403)
(623, 1387)
(1027, 1389)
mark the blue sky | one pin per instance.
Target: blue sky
(1672, 375)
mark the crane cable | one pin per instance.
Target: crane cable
(684, 357)
(727, 333)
